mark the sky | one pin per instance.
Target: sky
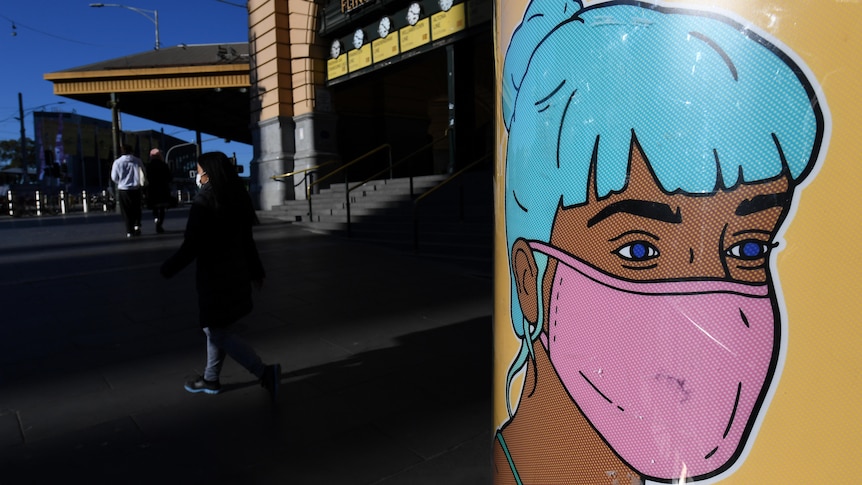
(43, 36)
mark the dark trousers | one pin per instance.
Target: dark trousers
(159, 215)
(130, 206)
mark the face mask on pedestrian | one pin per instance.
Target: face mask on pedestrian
(198, 180)
(671, 374)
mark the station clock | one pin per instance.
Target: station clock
(413, 13)
(383, 27)
(358, 38)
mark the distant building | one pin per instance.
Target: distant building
(74, 152)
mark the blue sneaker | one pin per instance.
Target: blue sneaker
(202, 385)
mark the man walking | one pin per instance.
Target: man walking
(158, 188)
(128, 173)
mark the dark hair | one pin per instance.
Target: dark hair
(221, 172)
(229, 191)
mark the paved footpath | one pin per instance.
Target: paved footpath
(386, 363)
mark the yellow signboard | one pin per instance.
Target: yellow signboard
(415, 36)
(447, 23)
(676, 289)
(359, 58)
(336, 67)
(384, 48)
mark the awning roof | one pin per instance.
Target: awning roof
(198, 87)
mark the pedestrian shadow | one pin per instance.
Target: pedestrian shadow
(454, 358)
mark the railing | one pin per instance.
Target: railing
(434, 190)
(306, 174)
(309, 185)
(344, 168)
(41, 202)
(406, 158)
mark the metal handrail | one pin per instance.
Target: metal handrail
(296, 172)
(278, 178)
(451, 177)
(399, 162)
(346, 181)
(435, 189)
(355, 161)
(391, 166)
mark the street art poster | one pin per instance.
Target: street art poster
(670, 179)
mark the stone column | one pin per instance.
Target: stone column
(275, 151)
(315, 145)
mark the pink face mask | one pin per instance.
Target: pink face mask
(670, 374)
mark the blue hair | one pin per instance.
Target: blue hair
(712, 104)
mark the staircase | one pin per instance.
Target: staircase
(455, 223)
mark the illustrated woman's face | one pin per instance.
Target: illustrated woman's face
(645, 234)
(659, 317)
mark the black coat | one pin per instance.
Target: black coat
(158, 184)
(220, 240)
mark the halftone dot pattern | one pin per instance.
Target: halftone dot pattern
(553, 444)
(668, 373)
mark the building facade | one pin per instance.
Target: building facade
(334, 81)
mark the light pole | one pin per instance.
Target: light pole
(23, 142)
(154, 18)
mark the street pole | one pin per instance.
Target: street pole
(23, 138)
(156, 21)
(140, 11)
(115, 125)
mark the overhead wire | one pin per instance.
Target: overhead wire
(16, 24)
(233, 4)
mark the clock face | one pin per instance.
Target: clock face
(358, 38)
(413, 12)
(383, 27)
(335, 50)
(445, 5)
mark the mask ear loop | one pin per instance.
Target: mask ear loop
(525, 352)
(528, 333)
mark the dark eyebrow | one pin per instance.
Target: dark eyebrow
(643, 208)
(761, 203)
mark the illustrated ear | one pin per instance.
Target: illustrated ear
(526, 275)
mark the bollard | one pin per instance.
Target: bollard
(38, 204)
(84, 200)
(9, 196)
(104, 201)
(62, 202)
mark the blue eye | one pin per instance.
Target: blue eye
(748, 250)
(637, 251)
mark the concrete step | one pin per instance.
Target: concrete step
(371, 196)
(454, 224)
(398, 205)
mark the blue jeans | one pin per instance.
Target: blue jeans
(221, 342)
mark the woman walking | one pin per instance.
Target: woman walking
(219, 238)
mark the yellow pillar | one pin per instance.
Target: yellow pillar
(676, 274)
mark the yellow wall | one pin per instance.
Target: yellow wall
(289, 59)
